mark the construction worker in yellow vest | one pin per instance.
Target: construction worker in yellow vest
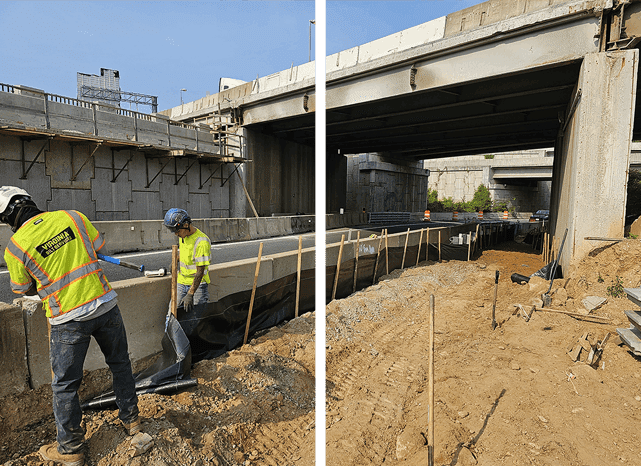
(54, 255)
(195, 257)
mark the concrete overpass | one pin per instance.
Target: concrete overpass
(499, 76)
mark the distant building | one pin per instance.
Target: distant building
(104, 89)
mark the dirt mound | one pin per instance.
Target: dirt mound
(506, 396)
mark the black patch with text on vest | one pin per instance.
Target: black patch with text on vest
(52, 245)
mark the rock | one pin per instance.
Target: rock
(463, 414)
(593, 302)
(408, 442)
(466, 458)
(538, 285)
(635, 228)
(536, 302)
(141, 443)
(515, 366)
(560, 296)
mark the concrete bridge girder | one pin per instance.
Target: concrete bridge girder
(439, 64)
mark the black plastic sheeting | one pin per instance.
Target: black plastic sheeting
(170, 371)
(213, 329)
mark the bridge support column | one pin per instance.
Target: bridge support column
(280, 177)
(592, 153)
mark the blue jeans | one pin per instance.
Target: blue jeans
(68, 348)
(201, 296)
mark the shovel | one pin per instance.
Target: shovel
(496, 287)
(545, 297)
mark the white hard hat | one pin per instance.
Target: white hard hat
(9, 192)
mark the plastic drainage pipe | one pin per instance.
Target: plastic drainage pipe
(166, 388)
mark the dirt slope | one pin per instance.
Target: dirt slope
(507, 396)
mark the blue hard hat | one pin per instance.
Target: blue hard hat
(175, 217)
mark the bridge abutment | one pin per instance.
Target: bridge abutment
(592, 153)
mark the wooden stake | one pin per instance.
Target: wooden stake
(380, 240)
(469, 245)
(300, 250)
(386, 254)
(358, 247)
(574, 314)
(338, 266)
(439, 245)
(418, 254)
(251, 302)
(427, 244)
(251, 204)
(430, 433)
(407, 237)
(174, 280)
(476, 238)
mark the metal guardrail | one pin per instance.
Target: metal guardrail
(384, 217)
(227, 140)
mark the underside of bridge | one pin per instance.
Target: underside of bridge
(518, 111)
(513, 112)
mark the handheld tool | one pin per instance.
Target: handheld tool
(496, 288)
(545, 297)
(114, 260)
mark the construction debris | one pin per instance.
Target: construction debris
(592, 303)
(582, 350)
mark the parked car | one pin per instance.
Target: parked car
(540, 215)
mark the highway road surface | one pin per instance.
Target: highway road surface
(221, 252)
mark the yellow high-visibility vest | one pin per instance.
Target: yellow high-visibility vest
(195, 250)
(57, 250)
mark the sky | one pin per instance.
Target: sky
(162, 47)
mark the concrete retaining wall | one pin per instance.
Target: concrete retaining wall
(144, 303)
(148, 235)
(379, 183)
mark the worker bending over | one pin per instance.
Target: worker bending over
(54, 255)
(195, 257)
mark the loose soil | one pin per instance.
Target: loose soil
(508, 396)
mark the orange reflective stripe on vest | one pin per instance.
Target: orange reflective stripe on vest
(58, 251)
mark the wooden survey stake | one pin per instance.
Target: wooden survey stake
(358, 246)
(174, 280)
(430, 433)
(380, 240)
(300, 249)
(407, 237)
(418, 254)
(338, 266)
(251, 302)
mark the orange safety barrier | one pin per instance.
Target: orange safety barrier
(480, 215)
(505, 215)
(455, 216)
(426, 217)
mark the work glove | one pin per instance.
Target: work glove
(188, 302)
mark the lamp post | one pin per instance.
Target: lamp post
(181, 95)
(311, 21)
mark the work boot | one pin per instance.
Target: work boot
(134, 427)
(50, 453)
